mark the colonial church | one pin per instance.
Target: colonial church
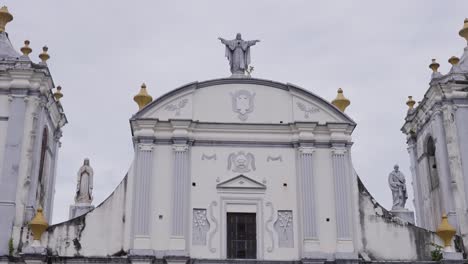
(233, 170)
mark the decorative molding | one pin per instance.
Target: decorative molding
(215, 229)
(177, 107)
(277, 158)
(268, 228)
(307, 109)
(284, 228)
(206, 157)
(242, 103)
(241, 162)
(200, 227)
(241, 182)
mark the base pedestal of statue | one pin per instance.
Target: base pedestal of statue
(79, 209)
(404, 214)
(452, 257)
(34, 254)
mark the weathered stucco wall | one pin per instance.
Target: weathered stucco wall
(101, 232)
(386, 238)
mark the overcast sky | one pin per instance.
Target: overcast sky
(101, 51)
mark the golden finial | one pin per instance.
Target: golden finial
(410, 103)
(446, 231)
(340, 101)
(453, 60)
(434, 65)
(38, 224)
(44, 56)
(58, 94)
(26, 49)
(5, 17)
(142, 98)
(464, 31)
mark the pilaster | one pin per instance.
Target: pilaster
(180, 196)
(444, 168)
(342, 173)
(418, 200)
(142, 194)
(307, 198)
(10, 170)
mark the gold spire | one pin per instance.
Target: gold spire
(44, 56)
(38, 224)
(434, 66)
(26, 49)
(58, 94)
(464, 31)
(142, 98)
(340, 101)
(5, 17)
(453, 60)
(445, 231)
(410, 103)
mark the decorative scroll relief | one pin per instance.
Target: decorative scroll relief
(242, 103)
(268, 228)
(307, 109)
(241, 162)
(200, 227)
(284, 228)
(277, 158)
(210, 157)
(177, 107)
(215, 229)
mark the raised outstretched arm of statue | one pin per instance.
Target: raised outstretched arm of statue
(222, 40)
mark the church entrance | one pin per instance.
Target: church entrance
(241, 235)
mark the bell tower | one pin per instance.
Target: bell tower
(437, 138)
(31, 118)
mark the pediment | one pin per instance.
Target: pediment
(241, 182)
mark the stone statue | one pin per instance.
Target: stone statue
(84, 187)
(397, 183)
(238, 54)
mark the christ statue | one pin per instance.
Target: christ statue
(238, 53)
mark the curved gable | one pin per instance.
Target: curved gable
(243, 101)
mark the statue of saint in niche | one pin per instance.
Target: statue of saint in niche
(397, 183)
(84, 187)
(238, 53)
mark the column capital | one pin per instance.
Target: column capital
(306, 150)
(180, 147)
(145, 146)
(339, 150)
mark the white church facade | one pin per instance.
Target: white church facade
(232, 170)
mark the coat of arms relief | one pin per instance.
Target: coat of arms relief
(242, 103)
(241, 162)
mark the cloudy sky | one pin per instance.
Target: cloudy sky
(101, 51)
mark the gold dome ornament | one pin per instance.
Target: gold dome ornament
(434, 66)
(143, 98)
(340, 101)
(38, 224)
(26, 50)
(446, 232)
(410, 103)
(454, 60)
(464, 31)
(44, 56)
(58, 94)
(5, 17)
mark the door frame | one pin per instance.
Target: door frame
(241, 205)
